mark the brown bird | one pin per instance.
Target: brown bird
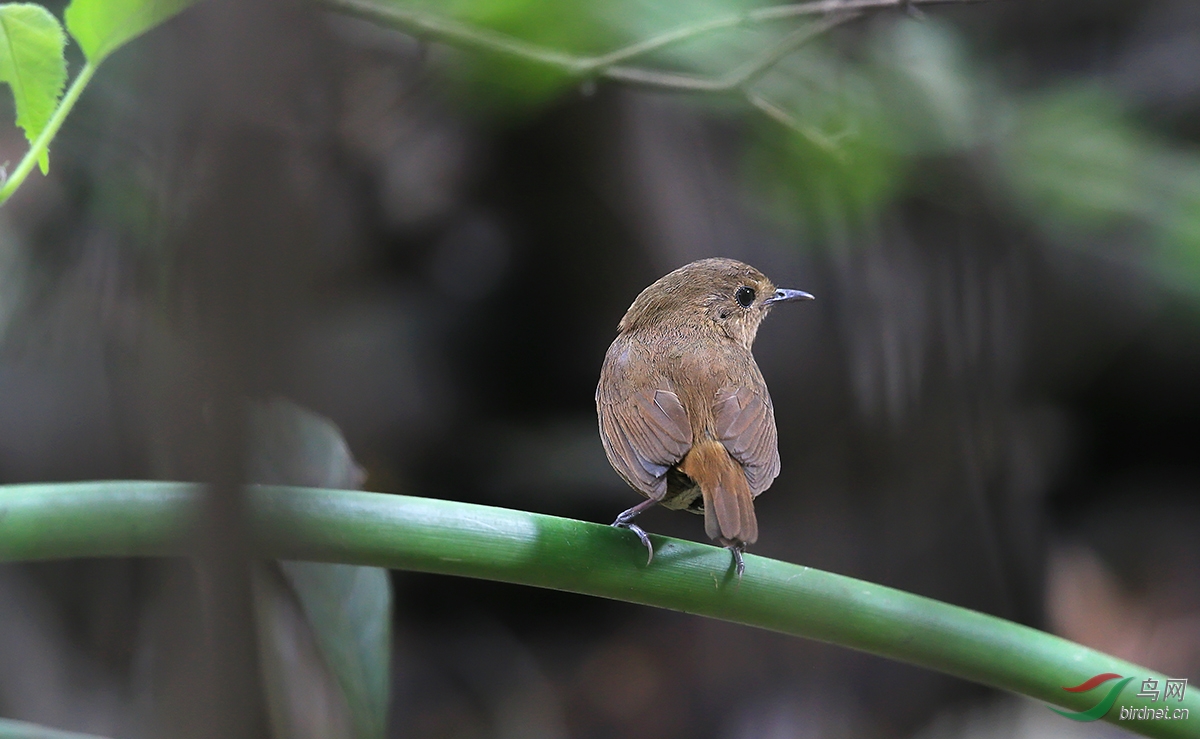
(685, 415)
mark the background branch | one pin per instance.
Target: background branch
(740, 78)
(610, 65)
(456, 33)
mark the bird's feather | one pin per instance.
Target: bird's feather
(744, 422)
(644, 436)
(728, 504)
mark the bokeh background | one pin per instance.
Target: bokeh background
(993, 401)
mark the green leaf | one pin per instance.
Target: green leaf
(501, 85)
(1073, 158)
(350, 611)
(32, 63)
(846, 162)
(1176, 256)
(927, 86)
(103, 26)
(348, 608)
(10, 729)
(291, 445)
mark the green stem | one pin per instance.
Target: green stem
(42, 142)
(52, 521)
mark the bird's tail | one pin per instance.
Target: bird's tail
(728, 505)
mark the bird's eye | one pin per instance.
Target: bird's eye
(744, 296)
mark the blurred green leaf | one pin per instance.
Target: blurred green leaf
(499, 86)
(710, 54)
(1177, 253)
(32, 63)
(1072, 156)
(291, 445)
(348, 608)
(862, 124)
(103, 26)
(304, 698)
(931, 94)
(496, 84)
(1078, 163)
(843, 161)
(10, 729)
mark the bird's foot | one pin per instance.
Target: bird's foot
(625, 521)
(641, 535)
(739, 564)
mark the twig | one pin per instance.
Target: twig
(813, 134)
(822, 7)
(740, 78)
(450, 31)
(14, 179)
(787, 45)
(610, 65)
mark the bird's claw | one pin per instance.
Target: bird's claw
(641, 535)
(738, 563)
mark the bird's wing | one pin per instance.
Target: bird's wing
(644, 434)
(745, 425)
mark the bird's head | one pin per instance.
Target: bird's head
(724, 295)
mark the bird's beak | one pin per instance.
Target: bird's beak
(784, 295)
